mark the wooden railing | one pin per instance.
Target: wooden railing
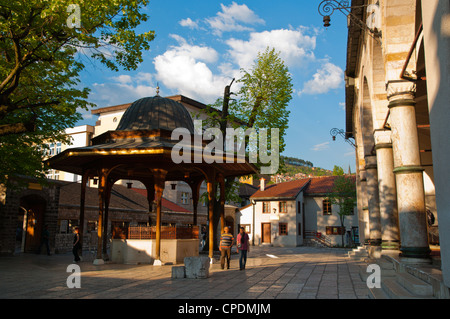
(167, 232)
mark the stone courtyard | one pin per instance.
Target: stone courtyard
(271, 273)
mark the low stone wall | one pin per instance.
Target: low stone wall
(64, 242)
(134, 251)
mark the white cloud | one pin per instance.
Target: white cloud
(321, 147)
(233, 18)
(122, 89)
(184, 69)
(189, 23)
(124, 79)
(329, 77)
(295, 46)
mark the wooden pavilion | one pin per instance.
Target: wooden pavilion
(140, 149)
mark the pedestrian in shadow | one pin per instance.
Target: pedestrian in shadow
(76, 245)
(226, 242)
(243, 247)
(45, 238)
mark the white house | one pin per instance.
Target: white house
(289, 213)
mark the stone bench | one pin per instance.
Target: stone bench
(194, 268)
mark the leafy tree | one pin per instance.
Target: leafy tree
(344, 196)
(261, 102)
(338, 171)
(43, 47)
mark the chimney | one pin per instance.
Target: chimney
(262, 184)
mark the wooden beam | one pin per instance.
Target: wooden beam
(160, 177)
(211, 199)
(84, 180)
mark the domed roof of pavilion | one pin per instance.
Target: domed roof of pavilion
(152, 113)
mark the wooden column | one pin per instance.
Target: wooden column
(84, 180)
(150, 186)
(222, 203)
(195, 187)
(211, 198)
(160, 176)
(108, 188)
(101, 201)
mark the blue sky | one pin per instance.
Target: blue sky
(201, 45)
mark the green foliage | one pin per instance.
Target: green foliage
(265, 94)
(261, 102)
(344, 196)
(41, 59)
(338, 171)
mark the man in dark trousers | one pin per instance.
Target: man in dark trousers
(226, 242)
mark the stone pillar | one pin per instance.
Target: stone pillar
(408, 171)
(436, 28)
(364, 218)
(390, 234)
(374, 206)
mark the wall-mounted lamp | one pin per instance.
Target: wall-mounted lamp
(334, 132)
(327, 8)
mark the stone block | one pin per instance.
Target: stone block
(178, 272)
(197, 267)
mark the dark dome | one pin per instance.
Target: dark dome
(152, 113)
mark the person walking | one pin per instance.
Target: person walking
(226, 242)
(203, 237)
(243, 247)
(76, 245)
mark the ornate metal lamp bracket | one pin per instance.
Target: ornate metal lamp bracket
(335, 132)
(327, 8)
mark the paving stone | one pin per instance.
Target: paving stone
(301, 272)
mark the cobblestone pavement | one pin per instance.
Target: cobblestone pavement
(271, 273)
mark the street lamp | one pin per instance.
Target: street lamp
(327, 8)
(334, 132)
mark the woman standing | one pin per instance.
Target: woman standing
(76, 245)
(243, 247)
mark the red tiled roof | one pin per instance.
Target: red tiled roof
(311, 186)
(321, 185)
(284, 190)
(121, 197)
(167, 204)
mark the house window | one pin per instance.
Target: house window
(326, 207)
(283, 207)
(335, 230)
(266, 208)
(299, 230)
(247, 228)
(185, 198)
(283, 227)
